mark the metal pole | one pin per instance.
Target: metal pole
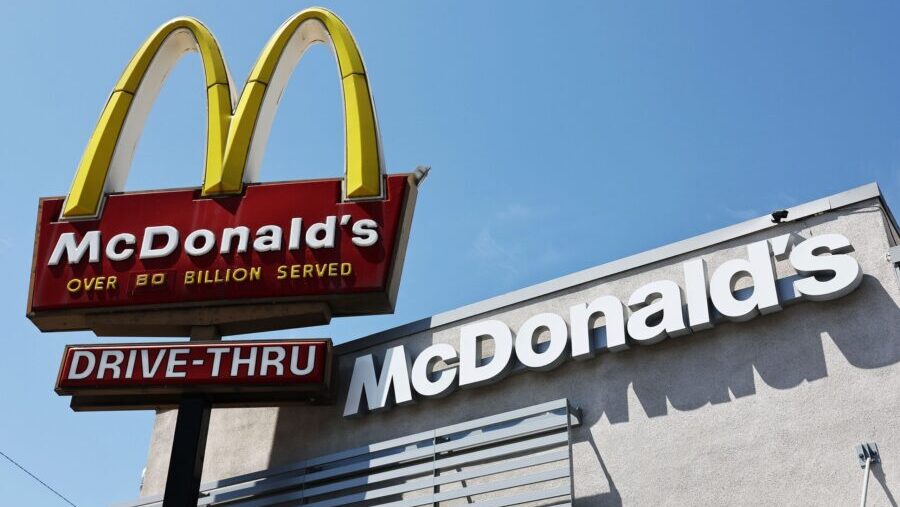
(188, 451)
(189, 441)
(865, 488)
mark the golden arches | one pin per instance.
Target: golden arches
(236, 136)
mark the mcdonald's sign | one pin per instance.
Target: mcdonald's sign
(160, 262)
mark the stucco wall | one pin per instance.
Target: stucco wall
(764, 412)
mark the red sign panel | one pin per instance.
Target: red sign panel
(294, 241)
(143, 375)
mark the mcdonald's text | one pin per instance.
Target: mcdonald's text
(655, 311)
(163, 240)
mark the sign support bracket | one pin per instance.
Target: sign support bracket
(189, 441)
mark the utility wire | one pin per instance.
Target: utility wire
(57, 493)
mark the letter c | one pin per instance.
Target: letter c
(443, 384)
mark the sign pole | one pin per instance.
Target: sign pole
(189, 441)
(188, 451)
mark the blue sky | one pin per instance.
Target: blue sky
(561, 135)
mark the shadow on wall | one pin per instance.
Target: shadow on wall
(784, 350)
(878, 474)
(716, 366)
(612, 498)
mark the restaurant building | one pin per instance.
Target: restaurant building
(738, 367)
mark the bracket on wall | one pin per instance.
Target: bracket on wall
(893, 255)
(867, 452)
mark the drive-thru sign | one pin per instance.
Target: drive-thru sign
(229, 373)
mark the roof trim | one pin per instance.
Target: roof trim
(799, 212)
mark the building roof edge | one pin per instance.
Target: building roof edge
(799, 212)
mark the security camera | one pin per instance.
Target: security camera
(778, 216)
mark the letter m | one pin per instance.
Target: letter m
(74, 252)
(394, 373)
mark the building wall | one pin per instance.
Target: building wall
(764, 412)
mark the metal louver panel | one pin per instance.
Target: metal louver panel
(522, 457)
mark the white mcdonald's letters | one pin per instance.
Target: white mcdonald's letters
(171, 363)
(654, 312)
(162, 240)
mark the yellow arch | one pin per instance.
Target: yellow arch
(255, 110)
(236, 137)
(107, 157)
